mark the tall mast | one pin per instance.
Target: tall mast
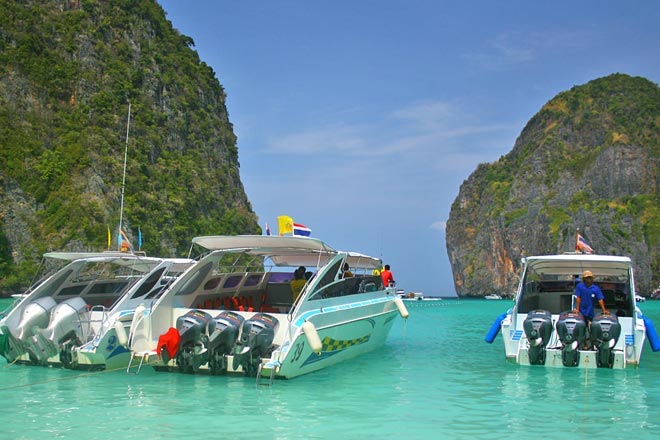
(123, 180)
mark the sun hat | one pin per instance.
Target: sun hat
(587, 274)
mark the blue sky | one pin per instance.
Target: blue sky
(361, 119)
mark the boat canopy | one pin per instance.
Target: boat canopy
(136, 262)
(285, 251)
(575, 264)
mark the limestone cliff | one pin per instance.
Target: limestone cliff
(588, 160)
(68, 70)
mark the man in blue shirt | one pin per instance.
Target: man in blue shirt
(585, 292)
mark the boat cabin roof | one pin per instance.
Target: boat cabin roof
(574, 264)
(285, 251)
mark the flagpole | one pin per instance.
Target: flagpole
(123, 180)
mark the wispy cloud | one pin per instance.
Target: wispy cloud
(514, 49)
(431, 130)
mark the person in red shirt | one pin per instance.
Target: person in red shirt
(387, 276)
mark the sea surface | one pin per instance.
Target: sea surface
(434, 378)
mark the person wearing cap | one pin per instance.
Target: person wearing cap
(586, 293)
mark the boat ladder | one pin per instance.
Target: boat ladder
(270, 365)
(143, 356)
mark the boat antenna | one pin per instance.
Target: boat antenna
(123, 180)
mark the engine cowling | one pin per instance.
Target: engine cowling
(255, 341)
(222, 340)
(538, 330)
(605, 332)
(572, 332)
(194, 329)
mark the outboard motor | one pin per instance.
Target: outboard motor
(194, 328)
(65, 329)
(572, 332)
(538, 329)
(257, 334)
(605, 332)
(34, 316)
(222, 340)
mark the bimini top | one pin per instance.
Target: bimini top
(574, 264)
(285, 251)
(136, 262)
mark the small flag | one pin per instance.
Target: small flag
(302, 230)
(267, 229)
(582, 245)
(285, 224)
(139, 238)
(109, 237)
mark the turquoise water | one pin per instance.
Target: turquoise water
(434, 378)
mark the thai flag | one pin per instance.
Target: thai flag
(582, 245)
(302, 230)
(267, 229)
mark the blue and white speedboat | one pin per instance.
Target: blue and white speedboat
(541, 328)
(234, 312)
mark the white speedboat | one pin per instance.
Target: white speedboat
(415, 296)
(78, 303)
(233, 312)
(541, 328)
(493, 296)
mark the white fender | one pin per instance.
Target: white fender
(403, 311)
(122, 338)
(312, 337)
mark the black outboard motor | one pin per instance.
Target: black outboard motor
(538, 329)
(572, 332)
(222, 340)
(257, 334)
(605, 332)
(194, 328)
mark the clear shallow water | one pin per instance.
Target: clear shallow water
(434, 378)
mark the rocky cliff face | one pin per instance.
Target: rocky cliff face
(588, 160)
(68, 70)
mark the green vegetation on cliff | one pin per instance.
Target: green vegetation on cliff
(67, 72)
(589, 159)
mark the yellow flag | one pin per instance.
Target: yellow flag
(285, 224)
(109, 237)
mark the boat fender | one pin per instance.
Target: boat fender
(651, 334)
(495, 328)
(312, 337)
(403, 311)
(122, 338)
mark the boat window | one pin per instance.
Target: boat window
(106, 288)
(253, 280)
(212, 283)
(72, 290)
(195, 280)
(232, 281)
(348, 286)
(329, 276)
(52, 287)
(149, 283)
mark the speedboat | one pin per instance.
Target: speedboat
(541, 328)
(233, 311)
(79, 302)
(493, 296)
(415, 296)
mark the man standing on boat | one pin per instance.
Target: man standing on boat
(387, 276)
(585, 292)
